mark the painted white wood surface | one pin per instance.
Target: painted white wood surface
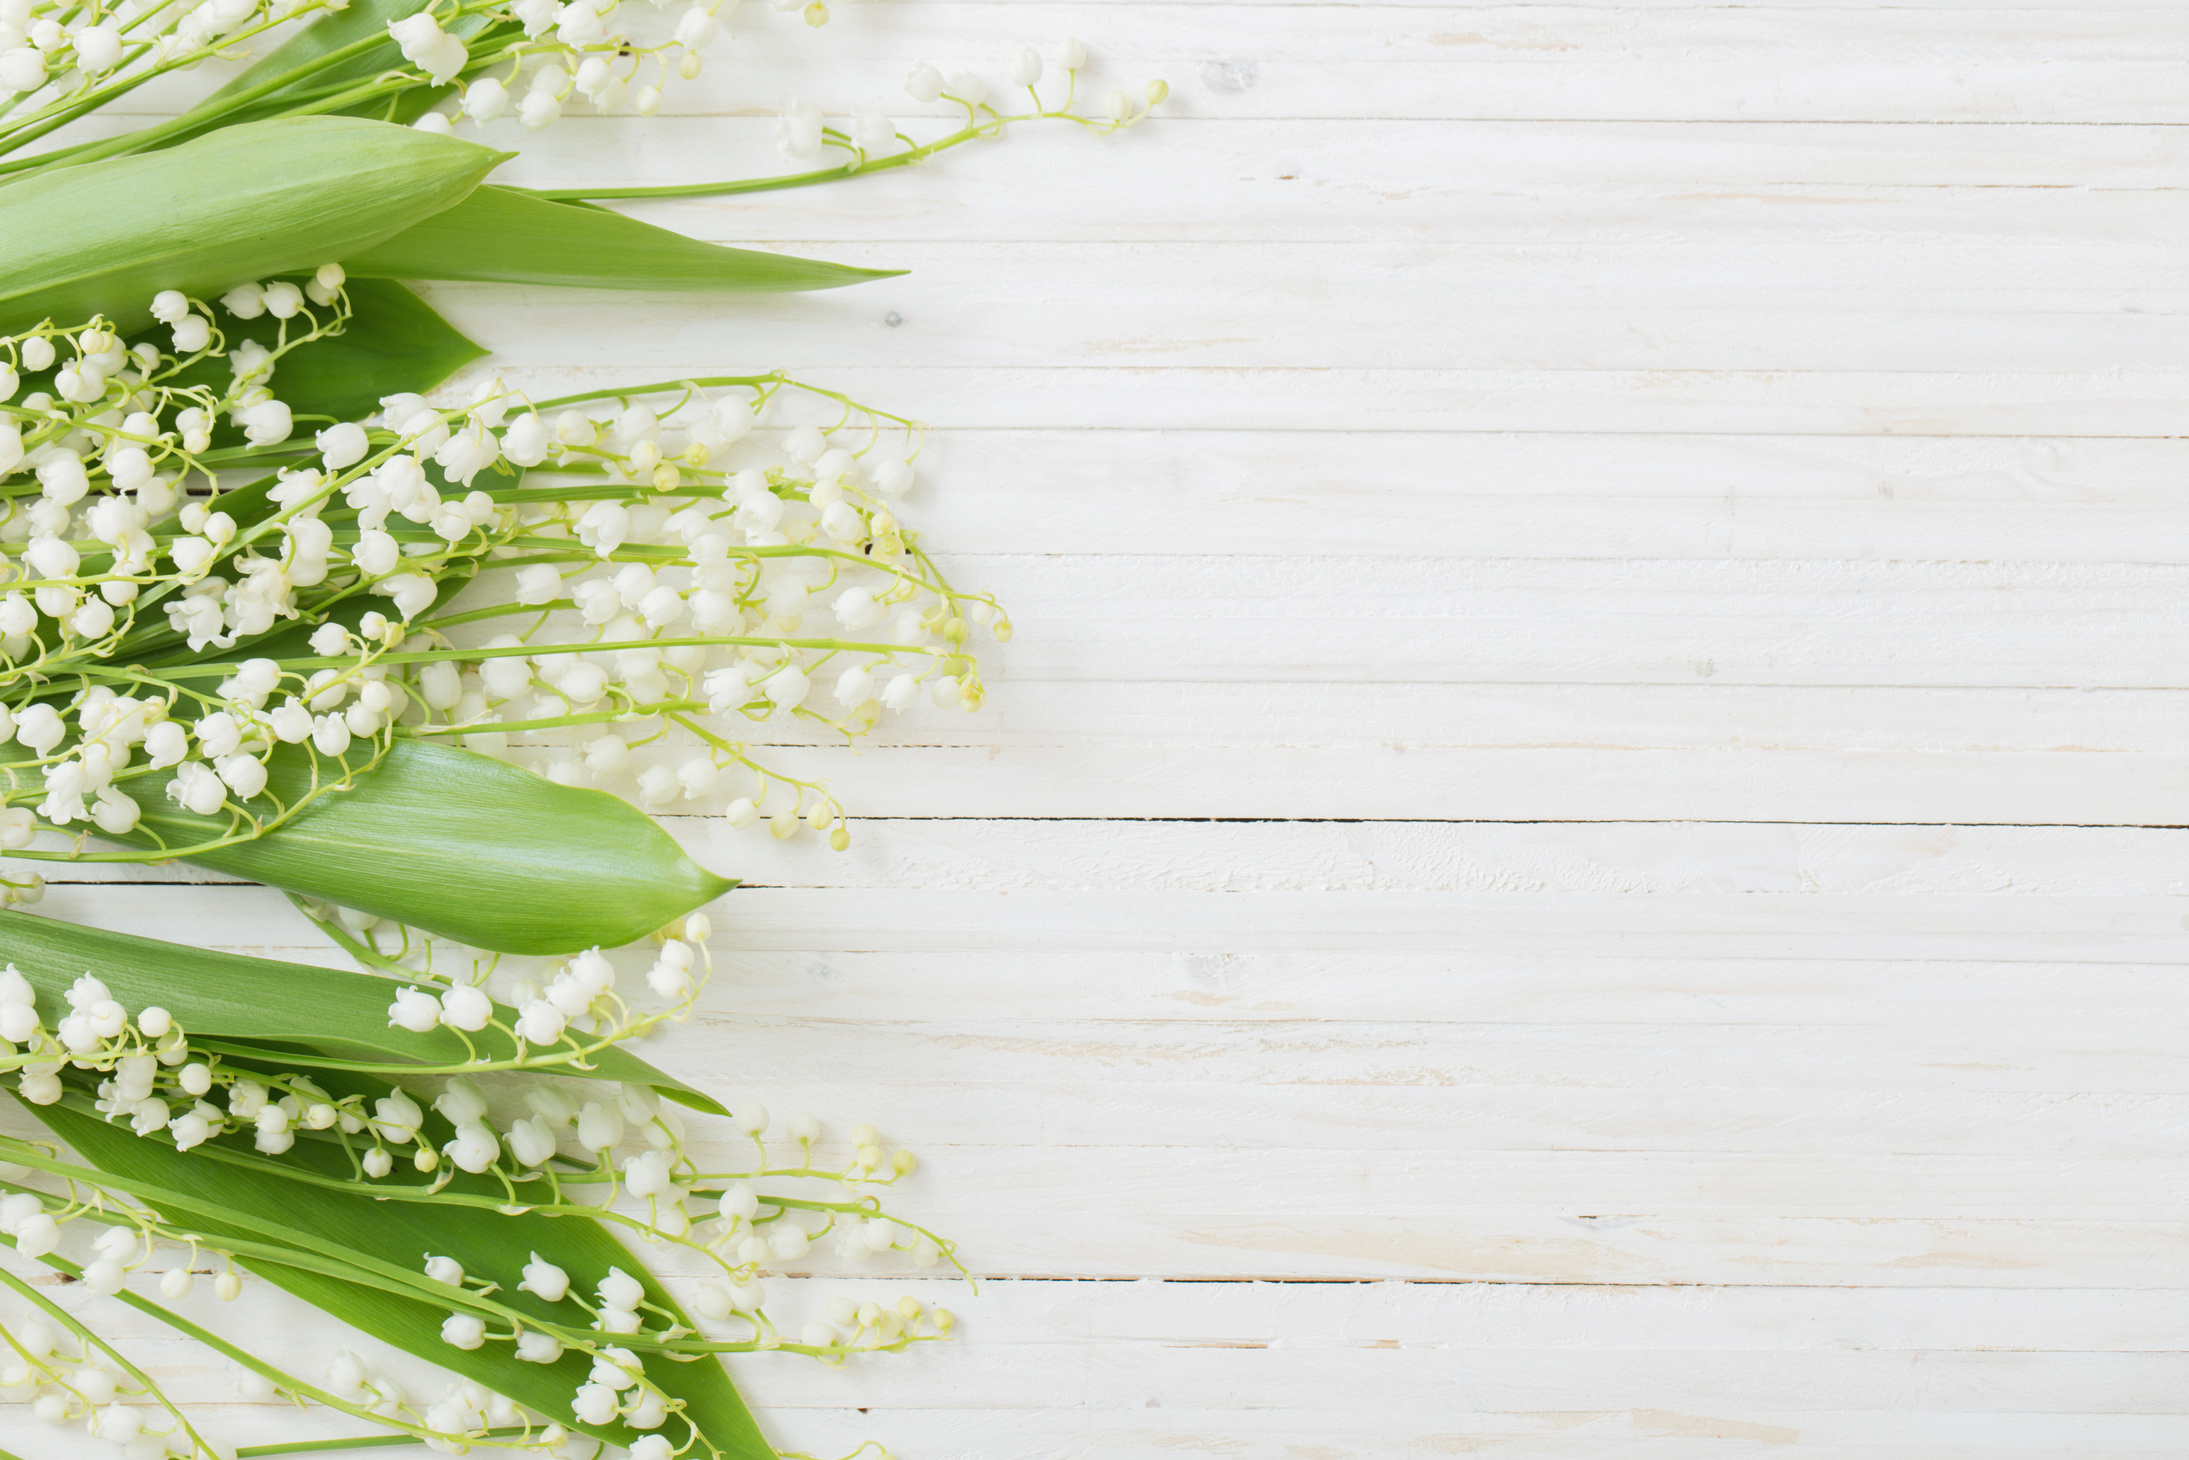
(1580, 852)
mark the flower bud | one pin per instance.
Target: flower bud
(532, 1142)
(696, 28)
(486, 99)
(466, 1007)
(545, 1280)
(599, 1126)
(464, 1330)
(415, 1010)
(646, 1174)
(38, 1235)
(538, 1348)
(474, 1149)
(538, 110)
(460, 1101)
(342, 446)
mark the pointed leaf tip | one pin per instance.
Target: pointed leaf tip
(563, 868)
(240, 203)
(501, 235)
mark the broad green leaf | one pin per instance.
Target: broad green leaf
(501, 235)
(393, 343)
(487, 1243)
(459, 845)
(241, 203)
(229, 997)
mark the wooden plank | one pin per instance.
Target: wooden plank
(1757, 303)
(2125, 403)
(1410, 620)
(1422, 856)
(2049, 930)
(1294, 856)
(1512, 752)
(1374, 178)
(1531, 62)
(1073, 1316)
(1369, 1432)
(1543, 62)
(1387, 494)
(1208, 1356)
(1716, 1065)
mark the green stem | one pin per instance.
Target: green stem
(859, 167)
(773, 377)
(189, 122)
(85, 1335)
(364, 954)
(357, 1442)
(414, 1434)
(298, 1447)
(706, 641)
(281, 1244)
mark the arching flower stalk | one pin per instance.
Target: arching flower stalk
(62, 61)
(873, 143)
(479, 63)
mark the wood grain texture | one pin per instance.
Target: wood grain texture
(1581, 852)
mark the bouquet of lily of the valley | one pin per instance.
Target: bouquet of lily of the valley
(272, 1118)
(275, 601)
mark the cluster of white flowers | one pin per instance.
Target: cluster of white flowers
(153, 1081)
(579, 994)
(681, 569)
(96, 1033)
(465, 1410)
(650, 1190)
(574, 1141)
(617, 1388)
(110, 446)
(570, 50)
(803, 133)
(65, 1381)
(121, 1248)
(51, 50)
(148, 1077)
(748, 564)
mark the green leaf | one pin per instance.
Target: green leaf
(459, 845)
(393, 343)
(229, 997)
(501, 235)
(241, 203)
(488, 1244)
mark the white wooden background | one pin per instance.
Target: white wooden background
(1580, 851)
